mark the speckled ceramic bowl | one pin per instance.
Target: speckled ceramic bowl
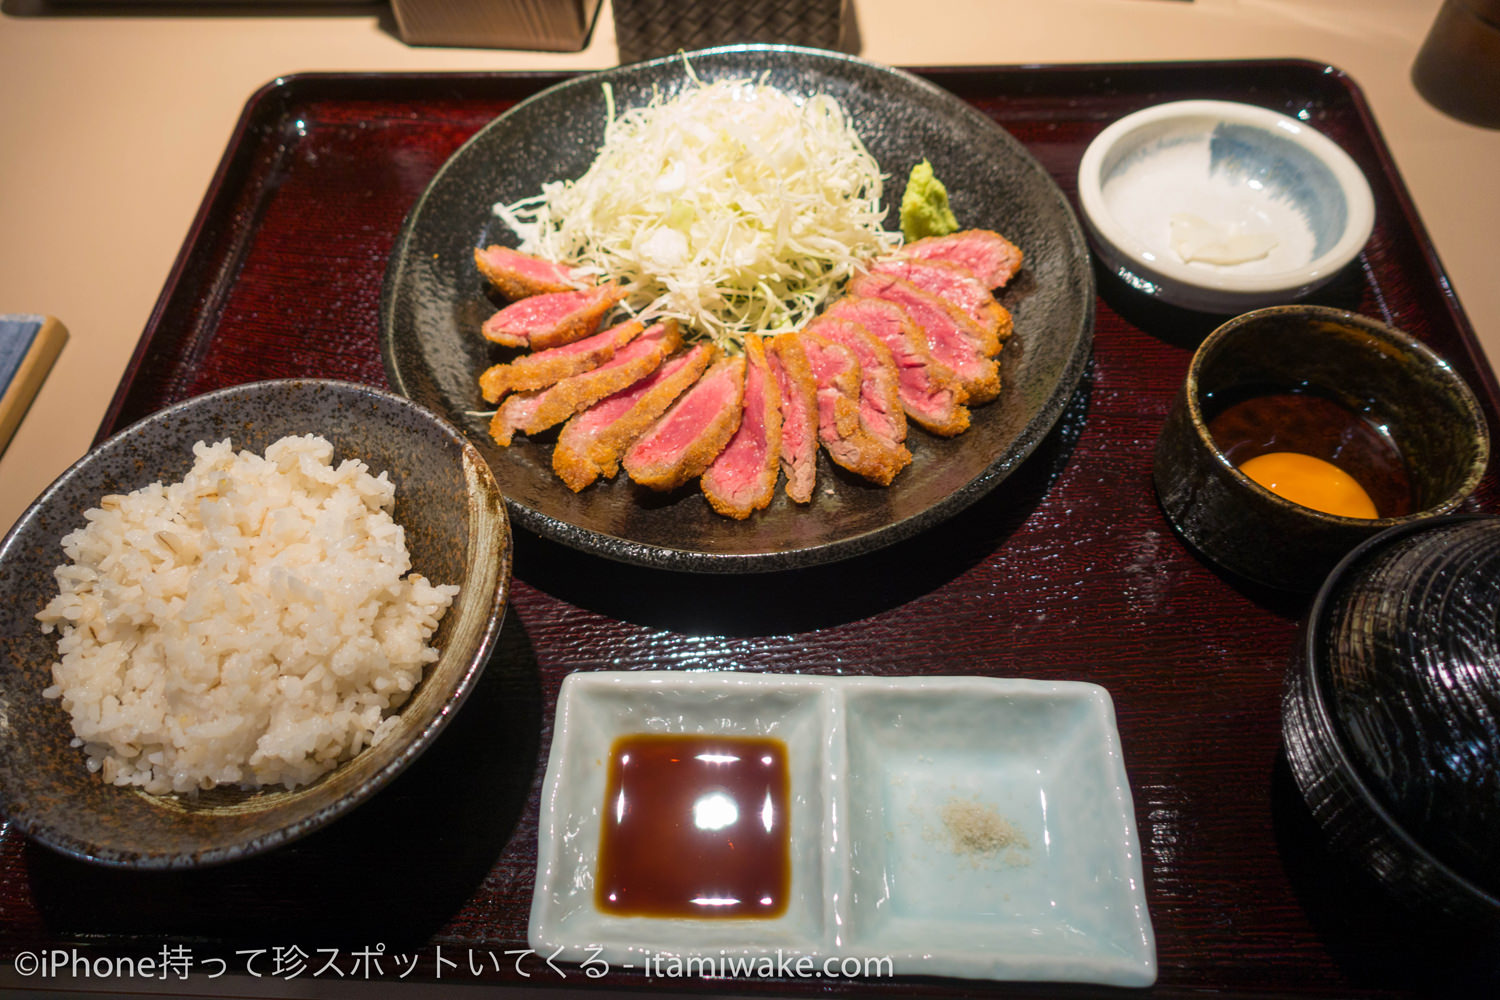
(1391, 714)
(1220, 206)
(456, 531)
(1384, 380)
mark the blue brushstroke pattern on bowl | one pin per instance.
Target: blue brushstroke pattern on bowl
(1222, 207)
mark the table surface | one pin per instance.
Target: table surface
(134, 204)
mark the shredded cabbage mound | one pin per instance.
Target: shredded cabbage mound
(733, 208)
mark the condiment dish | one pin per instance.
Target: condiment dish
(1220, 207)
(1376, 383)
(455, 529)
(978, 827)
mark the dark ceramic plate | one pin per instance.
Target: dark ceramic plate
(434, 301)
(456, 530)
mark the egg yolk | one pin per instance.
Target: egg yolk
(1310, 482)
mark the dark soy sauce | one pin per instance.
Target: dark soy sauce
(1250, 423)
(695, 826)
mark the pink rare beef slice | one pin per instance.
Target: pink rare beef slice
(990, 257)
(534, 412)
(518, 275)
(930, 393)
(552, 318)
(742, 480)
(879, 397)
(592, 442)
(543, 368)
(843, 433)
(950, 336)
(690, 435)
(799, 415)
(957, 286)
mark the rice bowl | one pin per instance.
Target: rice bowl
(454, 524)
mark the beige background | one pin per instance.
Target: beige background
(111, 127)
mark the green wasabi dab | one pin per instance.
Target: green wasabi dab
(924, 205)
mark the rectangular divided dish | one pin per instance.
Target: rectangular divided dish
(875, 763)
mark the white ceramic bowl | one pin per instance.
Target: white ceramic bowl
(1222, 207)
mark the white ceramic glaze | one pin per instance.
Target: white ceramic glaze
(873, 761)
(1241, 171)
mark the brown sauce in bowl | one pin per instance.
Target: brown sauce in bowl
(1253, 423)
(695, 826)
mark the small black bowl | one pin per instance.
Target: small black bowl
(455, 528)
(1386, 382)
(1391, 714)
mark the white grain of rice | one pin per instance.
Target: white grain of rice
(254, 624)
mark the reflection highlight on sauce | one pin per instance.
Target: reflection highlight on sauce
(695, 826)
